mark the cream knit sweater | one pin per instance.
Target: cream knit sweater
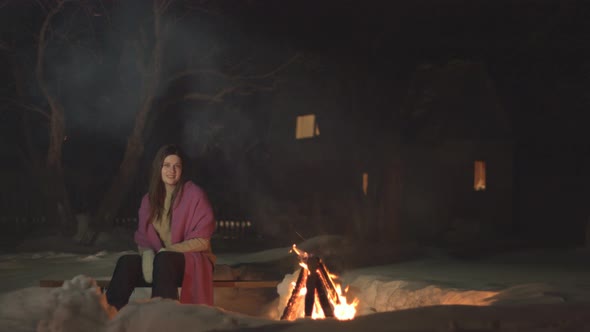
(162, 227)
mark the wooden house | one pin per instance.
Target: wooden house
(434, 163)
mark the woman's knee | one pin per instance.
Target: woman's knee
(168, 260)
(132, 260)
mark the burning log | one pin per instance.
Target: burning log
(315, 287)
(290, 310)
(324, 275)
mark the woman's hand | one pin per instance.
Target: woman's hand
(191, 245)
(147, 265)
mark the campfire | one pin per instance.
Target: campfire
(315, 294)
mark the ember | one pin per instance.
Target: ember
(315, 288)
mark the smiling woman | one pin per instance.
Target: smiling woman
(176, 223)
(171, 171)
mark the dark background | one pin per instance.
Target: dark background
(534, 55)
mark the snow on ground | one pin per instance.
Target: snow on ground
(526, 291)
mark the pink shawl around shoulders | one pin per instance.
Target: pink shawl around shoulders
(192, 217)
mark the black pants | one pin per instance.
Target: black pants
(167, 277)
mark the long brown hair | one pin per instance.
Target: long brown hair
(157, 189)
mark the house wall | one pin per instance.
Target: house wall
(553, 193)
(417, 190)
(316, 182)
(341, 125)
(438, 196)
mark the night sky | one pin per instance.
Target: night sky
(536, 52)
(536, 55)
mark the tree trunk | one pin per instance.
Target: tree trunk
(59, 210)
(58, 207)
(118, 190)
(123, 180)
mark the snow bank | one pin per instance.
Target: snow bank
(159, 315)
(377, 295)
(76, 306)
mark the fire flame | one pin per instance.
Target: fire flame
(343, 309)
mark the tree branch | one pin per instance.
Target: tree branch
(186, 73)
(239, 84)
(276, 70)
(40, 73)
(57, 116)
(202, 97)
(198, 96)
(273, 72)
(161, 6)
(41, 5)
(29, 107)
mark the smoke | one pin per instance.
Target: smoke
(98, 62)
(226, 129)
(98, 65)
(91, 67)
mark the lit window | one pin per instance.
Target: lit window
(306, 127)
(479, 175)
(365, 183)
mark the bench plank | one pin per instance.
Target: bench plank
(216, 283)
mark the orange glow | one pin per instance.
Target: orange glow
(479, 175)
(474, 298)
(302, 291)
(301, 254)
(365, 183)
(343, 309)
(317, 313)
(306, 127)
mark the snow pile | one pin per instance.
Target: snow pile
(377, 295)
(167, 315)
(525, 296)
(96, 257)
(78, 305)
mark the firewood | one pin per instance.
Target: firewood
(289, 311)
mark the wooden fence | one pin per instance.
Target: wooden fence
(225, 229)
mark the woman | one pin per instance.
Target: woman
(173, 237)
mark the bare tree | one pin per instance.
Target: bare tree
(233, 81)
(121, 183)
(46, 167)
(55, 190)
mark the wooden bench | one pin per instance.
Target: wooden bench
(104, 283)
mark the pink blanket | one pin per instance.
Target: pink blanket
(192, 217)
